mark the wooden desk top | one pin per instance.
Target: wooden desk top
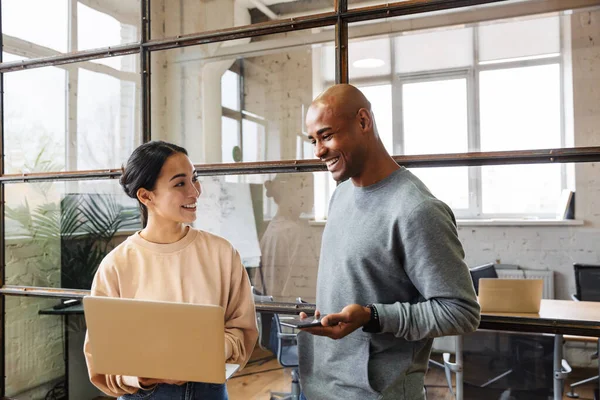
(580, 318)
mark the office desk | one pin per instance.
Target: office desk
(558, 317)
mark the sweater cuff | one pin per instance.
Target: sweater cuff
(228, 349)
(132, 381)
(389, 318)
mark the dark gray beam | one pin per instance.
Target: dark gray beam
(541, 156)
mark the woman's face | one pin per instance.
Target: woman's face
(176, 191)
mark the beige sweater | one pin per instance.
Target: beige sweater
(201, 268)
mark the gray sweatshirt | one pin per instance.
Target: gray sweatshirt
(395, 245)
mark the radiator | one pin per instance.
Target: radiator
(546, 276)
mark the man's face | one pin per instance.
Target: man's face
(336, 140)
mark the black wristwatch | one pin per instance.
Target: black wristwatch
(373, 325)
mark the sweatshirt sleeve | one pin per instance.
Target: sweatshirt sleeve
(434, 261)
(106, 284)
(241, 331)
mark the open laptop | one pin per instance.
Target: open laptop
(510, 295)
(161, 340)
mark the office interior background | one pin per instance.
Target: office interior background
(495, 105)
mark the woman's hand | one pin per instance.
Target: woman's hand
(146, 383)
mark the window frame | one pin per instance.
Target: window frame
(471, 73)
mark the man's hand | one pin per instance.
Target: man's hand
(337, 326)
(146, 383)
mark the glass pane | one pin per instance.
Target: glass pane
(34, 349)
(253, 141)
(446, 133)
(34, 119)
(230, 90)
(425, 51)
(94, 126)
(118, 22)
(519, 39)
(449, 184)
(108, 111)
(531, 97)
(57, 233)
(268, 221)
(278, 86)
(367, 58)
(380, 97)
(261, 219)
(40, 22)
(521, 189)
(183, 17)
(231, 133)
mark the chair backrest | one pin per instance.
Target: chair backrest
(265, 320)
(482, 271)
(587, 281)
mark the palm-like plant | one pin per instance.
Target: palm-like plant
(74, 234)
(88, 225)
(84, 224)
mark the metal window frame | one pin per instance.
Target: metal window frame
(340, 18)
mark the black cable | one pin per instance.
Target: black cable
(58, 392)
(257, 372)
(269, 358)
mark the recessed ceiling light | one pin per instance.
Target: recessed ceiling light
(368, 63)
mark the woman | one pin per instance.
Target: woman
(170, 261)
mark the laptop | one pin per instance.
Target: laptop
(510, 295)
(154, 339)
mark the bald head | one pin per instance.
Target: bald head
(343, 99)
(341, 127)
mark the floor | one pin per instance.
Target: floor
(264, 374)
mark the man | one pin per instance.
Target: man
(391, 263)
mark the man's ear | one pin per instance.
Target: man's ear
(144, 196)
(365, 119)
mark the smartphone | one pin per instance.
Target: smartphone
(297, 322)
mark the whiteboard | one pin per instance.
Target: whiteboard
(225, 209)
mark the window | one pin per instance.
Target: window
(243, 134)
(95, 125)
(487, 90)
(79, 116)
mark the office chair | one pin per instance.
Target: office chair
(264, 320)
(587, 284)
(283, 345)
(482, 271)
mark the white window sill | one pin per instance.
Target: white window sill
(502, 222)
(519, 222)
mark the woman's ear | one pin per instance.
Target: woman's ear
(144, 196)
